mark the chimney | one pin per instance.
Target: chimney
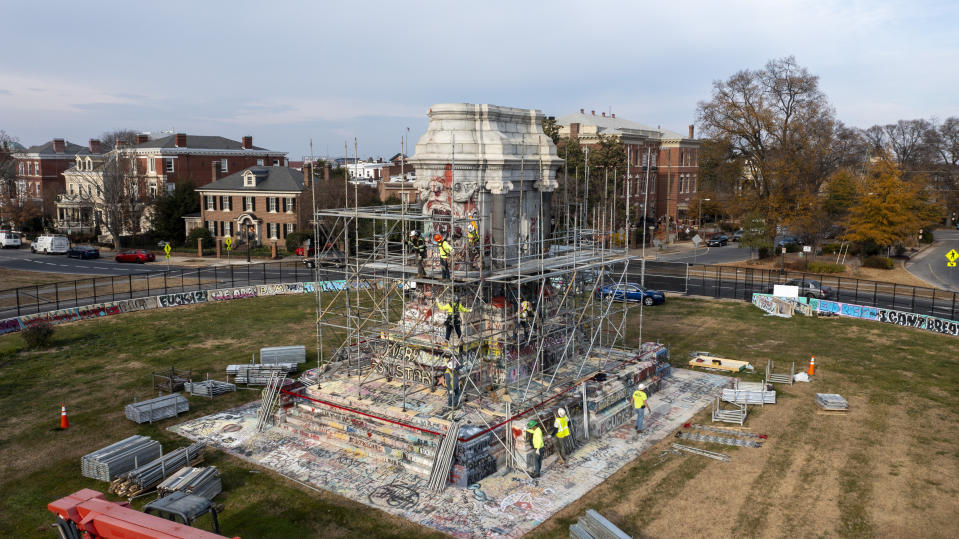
(594, 112)
(247, 142)
(604, 114)
(691, 128)
(59, 146)
(307, 174)
(94, 146)
(142, 137)
(214, 170)
(179, 140)
(581, 111)
(614, 115)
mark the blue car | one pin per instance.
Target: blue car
(631, 292)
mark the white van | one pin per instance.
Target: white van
(9, 239)
(50, 244)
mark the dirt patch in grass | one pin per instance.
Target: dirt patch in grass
(16, 278)
(897, 275)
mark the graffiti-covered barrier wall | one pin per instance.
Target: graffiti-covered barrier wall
(110, 308)
(786, 307)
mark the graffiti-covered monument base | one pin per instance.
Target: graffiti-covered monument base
(507, 503)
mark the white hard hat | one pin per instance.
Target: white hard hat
(561, 412)
(642, 386)
(414, 232)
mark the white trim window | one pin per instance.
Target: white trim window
(151, 165)
(223, 165)
(225, 203)
(289, 205)
(169, 165)
(211, 226)
(21, 169)
(271, 204)
(290, 228)
(272, 230)
(210, 203)
(247, 203)
(259, 162)
(227, 228)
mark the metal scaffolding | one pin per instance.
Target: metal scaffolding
(389, 324)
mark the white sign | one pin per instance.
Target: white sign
(806, 249)
(697, 240)
(786, 291)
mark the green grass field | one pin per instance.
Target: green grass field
(890, 467)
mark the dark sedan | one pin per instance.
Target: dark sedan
(83, 252)
(631, 292)
(718, 241)
(331, 256)
(138, 256)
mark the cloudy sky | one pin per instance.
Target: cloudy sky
(288, 71)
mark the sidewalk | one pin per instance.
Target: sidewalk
(675, 247)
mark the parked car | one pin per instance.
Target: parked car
(331, 256)
(717, 241)
(737, 235)
(631, 292)
(135, 255)
(783, 240)
(808, 288)
(9, 238)
(50, 244)
(83, 252)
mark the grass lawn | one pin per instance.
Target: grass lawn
(891, 467)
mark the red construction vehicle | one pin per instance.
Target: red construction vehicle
(86, 514)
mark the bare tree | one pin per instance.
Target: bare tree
(123, 136)
(16, 208)
(782, 128)
(117, 194)
(905, 140)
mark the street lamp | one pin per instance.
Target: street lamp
(700, 225)
(249, 242)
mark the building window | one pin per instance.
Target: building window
(290, 228)
(210, 202)
(169, 165)
(71, 188)
(276, 162)
(21, 169)
(289, 205)
(259, 162)
(151, 165)
(247, 203)
(223, 167)
(271, 204)
(211, 226)
(225, 203)
(271, 231)
(694, 183)
(228, 228)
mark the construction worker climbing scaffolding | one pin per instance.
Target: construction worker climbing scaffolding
(453, 322)
(525, 317)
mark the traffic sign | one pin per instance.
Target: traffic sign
(697, 240)
(228, 241)
(167, 249)
(806, 249)
(952, 255)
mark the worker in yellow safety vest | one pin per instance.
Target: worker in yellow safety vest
(525, 314)
(641, 405)
(453, 310)
(536, 433)
(451, 379)
(561, 432)
(446, 252)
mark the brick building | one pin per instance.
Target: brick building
(40, 169)
(397, 180)
(168, 160)
(271, 200)
(672, 160)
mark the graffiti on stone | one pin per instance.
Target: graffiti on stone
(61, 316)
(182, 298)
(919, 321)
(9, 325)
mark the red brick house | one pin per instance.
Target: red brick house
(673, 163)
(40, 169)
(171, 159)
(271, 200)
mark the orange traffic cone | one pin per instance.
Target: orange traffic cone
(812, 366)
(64, 423)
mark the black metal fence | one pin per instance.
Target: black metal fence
(693, 279)
(741, 283)
(80, 292)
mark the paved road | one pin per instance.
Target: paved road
(930, 265)
(23, 259)
(708, 255)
